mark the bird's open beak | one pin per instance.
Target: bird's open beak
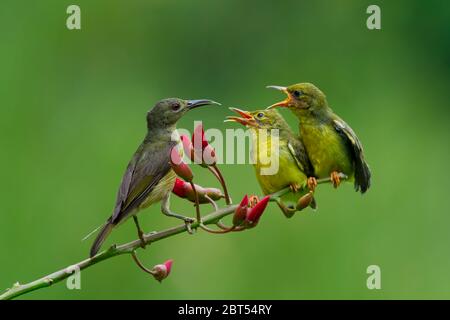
(192, 104)
(246, 118)
(283, 103)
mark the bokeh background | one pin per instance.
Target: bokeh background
(72, 112)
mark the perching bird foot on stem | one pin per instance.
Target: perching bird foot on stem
(335, 179)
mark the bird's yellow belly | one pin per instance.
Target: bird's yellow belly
(326, 151)
(288, 172)
(164, 186)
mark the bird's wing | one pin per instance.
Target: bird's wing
(143, 173)
(298, 151)
(362, 171)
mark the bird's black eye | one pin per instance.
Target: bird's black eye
(297, 93)
(260, 115)
(175, 107)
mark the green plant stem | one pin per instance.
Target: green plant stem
(127, 248)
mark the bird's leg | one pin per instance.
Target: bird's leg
(312, 183)
(165, 203)
(335, 178)
(288, 212)
(140, 232)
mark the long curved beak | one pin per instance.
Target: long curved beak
(192, 104)
(246, 118)
(280, 88)
(283, 103)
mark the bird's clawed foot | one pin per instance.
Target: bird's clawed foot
(294, 187)
(141, 236)
(188, 222)
(166, 210)
(335, 179)
(312, 183)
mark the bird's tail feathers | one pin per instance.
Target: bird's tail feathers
(104, 232)
(362, 176)
(91, 233)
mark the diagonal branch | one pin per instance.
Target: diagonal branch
(127, 248)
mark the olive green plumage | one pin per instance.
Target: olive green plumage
(149, 177)
(294, 167)
(331, 145)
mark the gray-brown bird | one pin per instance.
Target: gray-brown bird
(149, 177)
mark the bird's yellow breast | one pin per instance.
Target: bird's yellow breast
(326, 150)
(164, 186)
(288, 172)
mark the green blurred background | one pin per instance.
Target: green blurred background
(73, 107)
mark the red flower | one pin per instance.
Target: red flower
(162, 271)
(240, 213)
(180, 168)
(198, 137)
(255, 213)
(204, 153)
(180, 188)
(184, 190)
(187, 146)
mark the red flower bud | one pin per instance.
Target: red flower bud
(209, 156)
(162, 271)
(255, 213)
(180, 168)
(305, 201)
(198, 137)
(184, 190)
(204, 153)
(240, 214)
(214, 193)
(187, 147)
(180, 188)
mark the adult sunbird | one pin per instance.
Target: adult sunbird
(332, 146)
(294, 167)
(149, 177)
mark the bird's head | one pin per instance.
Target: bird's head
(167, 112)
(258, 119)
(302, 98)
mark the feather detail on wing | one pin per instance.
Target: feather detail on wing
(298, 151)
(143, 173)
(362, 171)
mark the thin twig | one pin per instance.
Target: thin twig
(220, 231)
(224, 185)
(213, 203)
(213, 172)
(127, 248)
(197, 203)
(139, 263)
